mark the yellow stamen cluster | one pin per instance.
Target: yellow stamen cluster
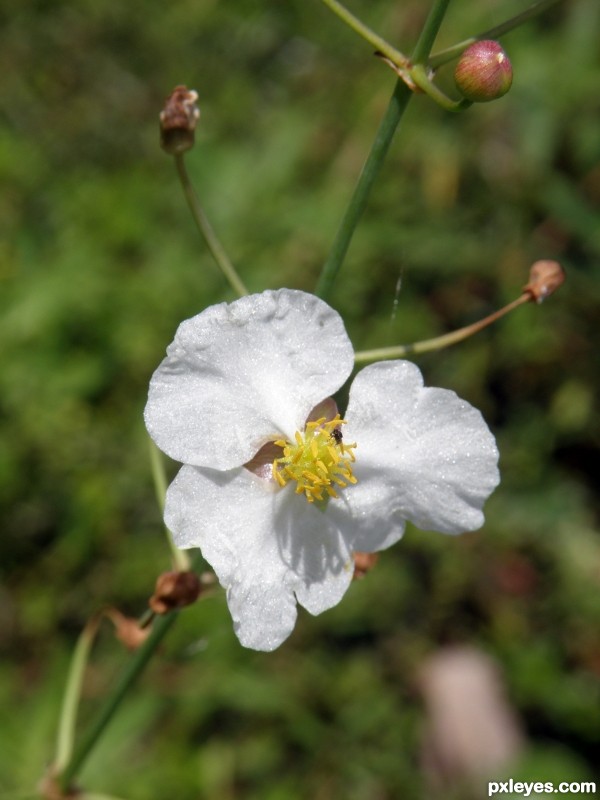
(318, 460)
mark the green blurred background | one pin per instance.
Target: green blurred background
(99, 262)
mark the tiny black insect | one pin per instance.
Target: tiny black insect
(336, 435)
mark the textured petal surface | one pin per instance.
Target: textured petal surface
(267, 547)
(240, 374)
(422, 455)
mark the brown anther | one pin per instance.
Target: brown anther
(178, 121)
(174, 590)
(545, 277)
(127, 630)
(363, 563)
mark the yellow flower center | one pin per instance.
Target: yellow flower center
(319, 460)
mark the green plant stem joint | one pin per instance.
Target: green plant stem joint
(418, 78)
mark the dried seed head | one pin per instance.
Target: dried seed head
(483, 72)
(545, 277)
(178, 121)
(127, 630)
(363, 563)
(174, 590)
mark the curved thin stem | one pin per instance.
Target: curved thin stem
(419, 75)
(437, 59)
(210, 237)
(179, 557)
(68, 715)
(135, 667)
(369, 35)
(132, 671)
(438, 342)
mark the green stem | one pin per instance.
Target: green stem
(383, 139)
(430, 31)
(179, 558)
(68, 715)
(135, 667)
(133, 670)
(159, 477)
(419, 75)
(437, 343)
(366, 180)
(437, 59)
(370, 36)
(210, 237)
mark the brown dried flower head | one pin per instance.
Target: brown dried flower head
(174, 590)
(545, 277)
(178, 121)
(127, 630)
(363, 563)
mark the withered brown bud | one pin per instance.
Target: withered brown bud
(178, 121)
(363, 563)
(483, 72)
(174, 590)
(127, 630)
(545, 277)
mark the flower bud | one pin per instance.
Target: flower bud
(178, 121)
(483, 72)
(545, 277)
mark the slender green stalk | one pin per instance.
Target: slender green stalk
(68, 715)
(180, 559)
(430, 31)
(383, 139)
(363, 30)
(437, 59)
(419, 75)
(437, 343)
(210, 237)
(133, 669)
(367, 178)
(159, 476)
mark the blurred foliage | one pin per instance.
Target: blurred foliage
(99, 261)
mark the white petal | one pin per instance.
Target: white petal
(422, 455)
(241, 374)
(265, 546)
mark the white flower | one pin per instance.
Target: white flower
(276, 490)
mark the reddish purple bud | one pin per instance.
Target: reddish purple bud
(483, 72)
